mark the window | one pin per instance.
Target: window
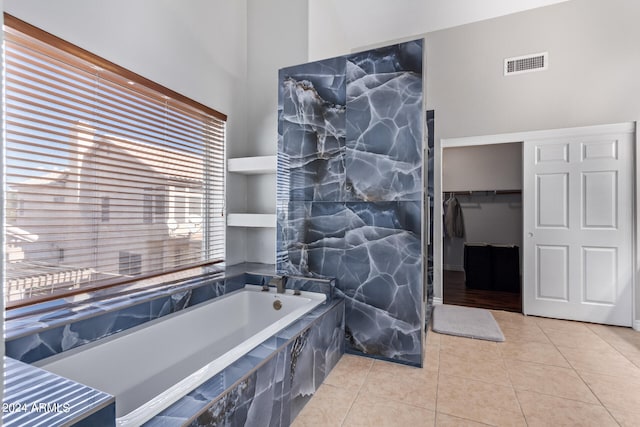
(129, 264)
(147, 206)
(106, 201)
(160, 206)
(94, 154)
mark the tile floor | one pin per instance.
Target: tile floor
(548, 373)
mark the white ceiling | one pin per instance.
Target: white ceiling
(338, 26)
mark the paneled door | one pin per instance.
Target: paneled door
(578, 229)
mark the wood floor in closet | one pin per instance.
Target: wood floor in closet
(456, 293)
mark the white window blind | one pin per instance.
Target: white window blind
(122, 177)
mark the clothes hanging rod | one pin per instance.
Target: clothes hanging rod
(484, 192)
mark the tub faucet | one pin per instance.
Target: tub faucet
(280, 283)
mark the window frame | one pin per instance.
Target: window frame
(141, 84)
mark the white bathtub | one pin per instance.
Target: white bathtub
(150, 367)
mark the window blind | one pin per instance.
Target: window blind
(109, 177)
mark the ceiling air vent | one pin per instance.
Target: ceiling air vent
(526, 63)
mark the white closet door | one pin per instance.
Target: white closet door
(578, 229)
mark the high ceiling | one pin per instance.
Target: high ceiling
(338, 26)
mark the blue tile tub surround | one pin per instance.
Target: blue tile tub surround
(44, 331)
(67, 402)
(42, 334)
(361, 223)
(269, 385)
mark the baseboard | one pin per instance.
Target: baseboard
(452, 267)
(636, 324)
(437, 301)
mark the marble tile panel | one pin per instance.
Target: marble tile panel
(311, 128)
(384, 123)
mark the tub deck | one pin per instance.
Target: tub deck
(149, 367)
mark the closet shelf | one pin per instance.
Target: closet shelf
(252, 165)
(481, 192)
(251, 220)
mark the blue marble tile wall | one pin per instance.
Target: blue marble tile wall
(350, 190)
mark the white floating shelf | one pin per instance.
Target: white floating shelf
(251, 220)
(252, 165)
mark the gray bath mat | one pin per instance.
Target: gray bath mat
(468, 322)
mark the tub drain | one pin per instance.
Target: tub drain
(277, 304)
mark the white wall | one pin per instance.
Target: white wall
(276, 38)
(593, 67)
(483, 167)
(337, 27)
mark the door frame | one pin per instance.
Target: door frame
(440, 144)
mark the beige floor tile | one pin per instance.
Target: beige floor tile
(535, 352)
(479, 401)
(625, 340)
(433, 338)
(402, 384)
(552, 380)
(444, 420)
(398, 370)
(625, 419)
(488, 370)
(577, 339)
(542, 410)
(466, 347)
(524, 333)
(350, 372)
(508, 318)
(361, 391)
(547, 324)
(372, 411)
(613, 334)
(608, 362)
(616, 393)
(635, 359)
(432, 358)
(328, 407)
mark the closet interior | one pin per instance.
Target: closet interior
(482, 206)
